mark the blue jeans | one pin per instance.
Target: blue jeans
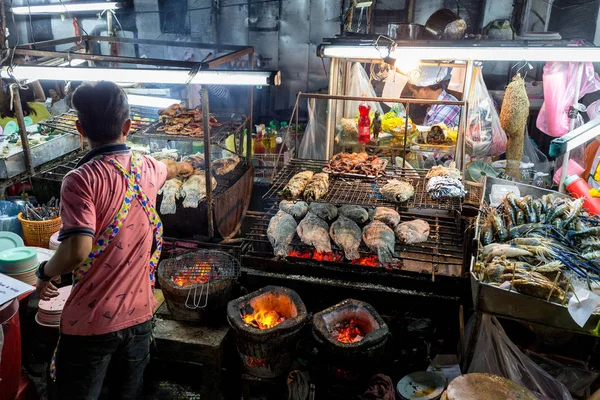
(82, 363)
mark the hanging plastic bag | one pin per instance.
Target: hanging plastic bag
(313, 143)
(359, 85)
(496, 354)
(531, 154)
(560, 82)
(485, 136)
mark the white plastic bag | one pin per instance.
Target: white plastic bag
(496, 354)
(359, 85)
(313, 143)
(560, 81)
(485, 136)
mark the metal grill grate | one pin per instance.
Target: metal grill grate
(218, 133)
(62, 123)
(365, 192)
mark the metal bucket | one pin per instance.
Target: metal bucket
(405, 31)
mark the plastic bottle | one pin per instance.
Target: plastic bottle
(259, 147)
(578, 187)
(364, 123)
(281, 134)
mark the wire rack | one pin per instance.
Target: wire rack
(364, 192)
(442, 253)
(64, 123)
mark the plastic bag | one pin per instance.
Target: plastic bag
(496, 354)
(485, 136)
(313, 143)
(531, 154)
(560, 81)
(359, 86)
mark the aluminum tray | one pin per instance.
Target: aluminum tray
(40, 154)
(514, 305)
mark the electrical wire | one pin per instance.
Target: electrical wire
(73, 18)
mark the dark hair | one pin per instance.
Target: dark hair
(5, 106)
(102, 110)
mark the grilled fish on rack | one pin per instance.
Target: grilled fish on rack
(380, 239)
(412, 232)
(325, 211)
(295, 187)
(356, 213)
(296, 209)
(193, 191)
(317, 187)
(223, 166)
(170, 193)
(281, 230)
(346, 234)
(397, 191)
(315, 232)
(386, 215)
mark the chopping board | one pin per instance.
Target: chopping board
(486, 386)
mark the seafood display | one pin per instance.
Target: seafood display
(325, 211)
(380, 239)
(439, 170)
(295, 187)
(412, 232)
(281, 230)
(386, 215)
(539, 245)
(356, 213)
(195, 160)
(170, 194)
(346, 234)
(313, 231)
(296, 209)
(223, 166)
(356, 163)
(317, 187)
(397, 191)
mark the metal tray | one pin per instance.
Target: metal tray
(514, 305)
(40, 154)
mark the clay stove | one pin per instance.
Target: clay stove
(265, 324)
(351, 334)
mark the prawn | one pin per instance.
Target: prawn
(576, 207)
(591, 231)
(507, 250)
(498, 226)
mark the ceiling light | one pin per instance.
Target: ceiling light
(151, 101)
(73, 62)
(62, 8)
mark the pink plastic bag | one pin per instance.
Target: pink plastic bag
(485, 136)
(560, 80)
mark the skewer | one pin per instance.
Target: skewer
(553, 285)
(574, 294)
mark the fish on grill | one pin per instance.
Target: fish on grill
(295, 187)
(317, 187)
(380, 239)
(313, 231)
(388, 216)
(412, 232)
(356, 213)
(280, 232)
(325, 211)
(346, 234)
(193, 191)
(296, 209)
(170, 193)
(223, 166)
(397, 191)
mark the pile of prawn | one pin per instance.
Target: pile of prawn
(548, 235)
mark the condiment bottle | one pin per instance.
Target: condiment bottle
(259, 147)
(578, 187)
(364, 123)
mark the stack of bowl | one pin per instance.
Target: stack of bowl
(54, 242)
(49, 311)
(20, 263)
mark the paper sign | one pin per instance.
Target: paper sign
(11, 288)
(582, 306)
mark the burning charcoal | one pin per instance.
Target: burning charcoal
(247, 309)
(348, 332)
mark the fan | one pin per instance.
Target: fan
(477, 170)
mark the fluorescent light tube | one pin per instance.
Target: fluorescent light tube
(60, 8)
(73, 62)
(151, 101)
(166, 76)
(507, 53)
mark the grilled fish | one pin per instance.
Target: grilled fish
(193, 191)
(170, 193)
(397, 191)
(411, 232)
(296, 209)
(346, 234)
(281, 230)
(355, 213)
(380, 239)
(223, 166)
(317, 187)
(386, 215)
(325, 211)
(295, 187)
(315, 232)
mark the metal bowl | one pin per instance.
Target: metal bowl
(405, 31)
(445, 24)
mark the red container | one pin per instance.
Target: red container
(10, 364)
(364, 123)
(578, 187)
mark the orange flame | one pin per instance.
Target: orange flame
(368, 261)
(263, 319)
(348, 332)
(188, 276)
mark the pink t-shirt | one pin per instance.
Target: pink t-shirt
(116, 292)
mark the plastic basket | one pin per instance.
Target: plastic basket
(38, 233)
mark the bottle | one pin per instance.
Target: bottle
(281, 135)
(364, 123)
(578, 187)
(259, 147)
(268, 140)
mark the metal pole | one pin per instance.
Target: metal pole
(410, 11)
(251, 116)
(331, 107)
(3, 45)
(110, 33)
(565, 163)
(460, 140)
(22, 131)
(207, 166)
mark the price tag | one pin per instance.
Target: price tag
(11, 288)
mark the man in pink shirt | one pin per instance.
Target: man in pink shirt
(111, 239)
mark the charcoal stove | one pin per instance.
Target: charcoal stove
(265, 325)
(351, 336)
